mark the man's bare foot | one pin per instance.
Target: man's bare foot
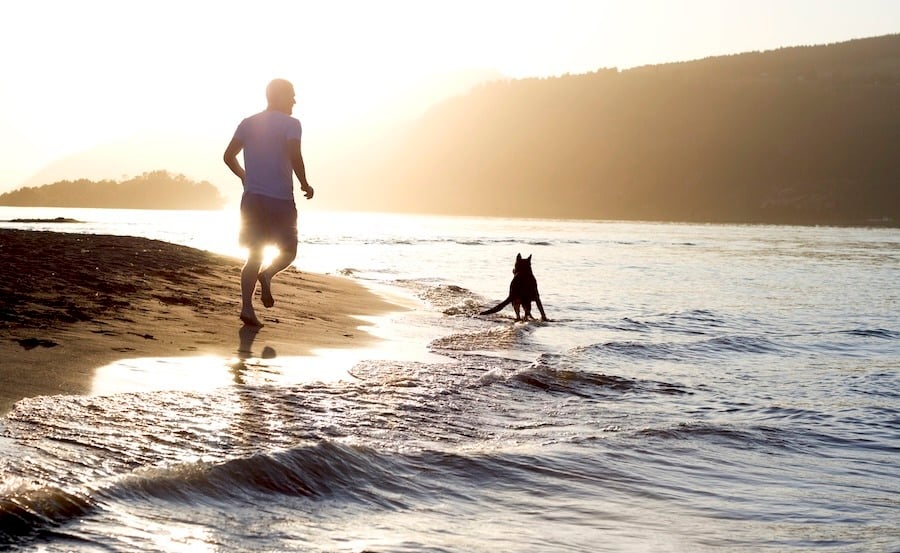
(265, 289)
(250, 320)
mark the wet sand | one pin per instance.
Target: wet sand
(70, 303)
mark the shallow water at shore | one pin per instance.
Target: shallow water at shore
(700, 387)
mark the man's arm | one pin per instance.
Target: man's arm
(299, 167)
(231, 160)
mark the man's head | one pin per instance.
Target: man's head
(280, 95)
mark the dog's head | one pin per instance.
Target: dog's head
(523, 264)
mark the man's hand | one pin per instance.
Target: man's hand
(308, 191)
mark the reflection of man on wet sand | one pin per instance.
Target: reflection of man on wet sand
(270, 141)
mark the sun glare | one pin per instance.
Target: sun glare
(96, 72)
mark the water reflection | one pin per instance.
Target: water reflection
(197, 373)
(257, 363)
(207, 373)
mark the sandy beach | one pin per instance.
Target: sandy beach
(74, 302)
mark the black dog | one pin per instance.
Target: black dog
(522, 291)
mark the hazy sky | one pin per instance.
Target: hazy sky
(77, 73)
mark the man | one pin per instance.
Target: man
(270, 141)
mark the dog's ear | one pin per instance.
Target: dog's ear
(518, 257)
(529, 257)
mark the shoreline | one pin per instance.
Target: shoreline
(74, 303)
(850, 223)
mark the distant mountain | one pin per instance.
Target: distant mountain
(795, 135)
(153, 190)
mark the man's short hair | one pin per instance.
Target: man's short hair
(279, 88)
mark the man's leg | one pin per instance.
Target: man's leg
(248, 286)
(280, 263)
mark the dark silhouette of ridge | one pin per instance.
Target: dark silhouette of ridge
(803, 135)
(152, 190)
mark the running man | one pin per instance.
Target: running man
(270, 141)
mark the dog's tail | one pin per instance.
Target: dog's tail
(497, 308)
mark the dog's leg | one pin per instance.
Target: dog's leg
(527, 306)
(541, 309)
(516, 304)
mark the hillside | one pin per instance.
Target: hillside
(153, 190)
(795, 135)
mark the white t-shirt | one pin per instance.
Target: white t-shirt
(267, 162)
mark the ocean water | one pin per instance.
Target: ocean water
(699, 388)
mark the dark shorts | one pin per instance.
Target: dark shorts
(266, 220)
